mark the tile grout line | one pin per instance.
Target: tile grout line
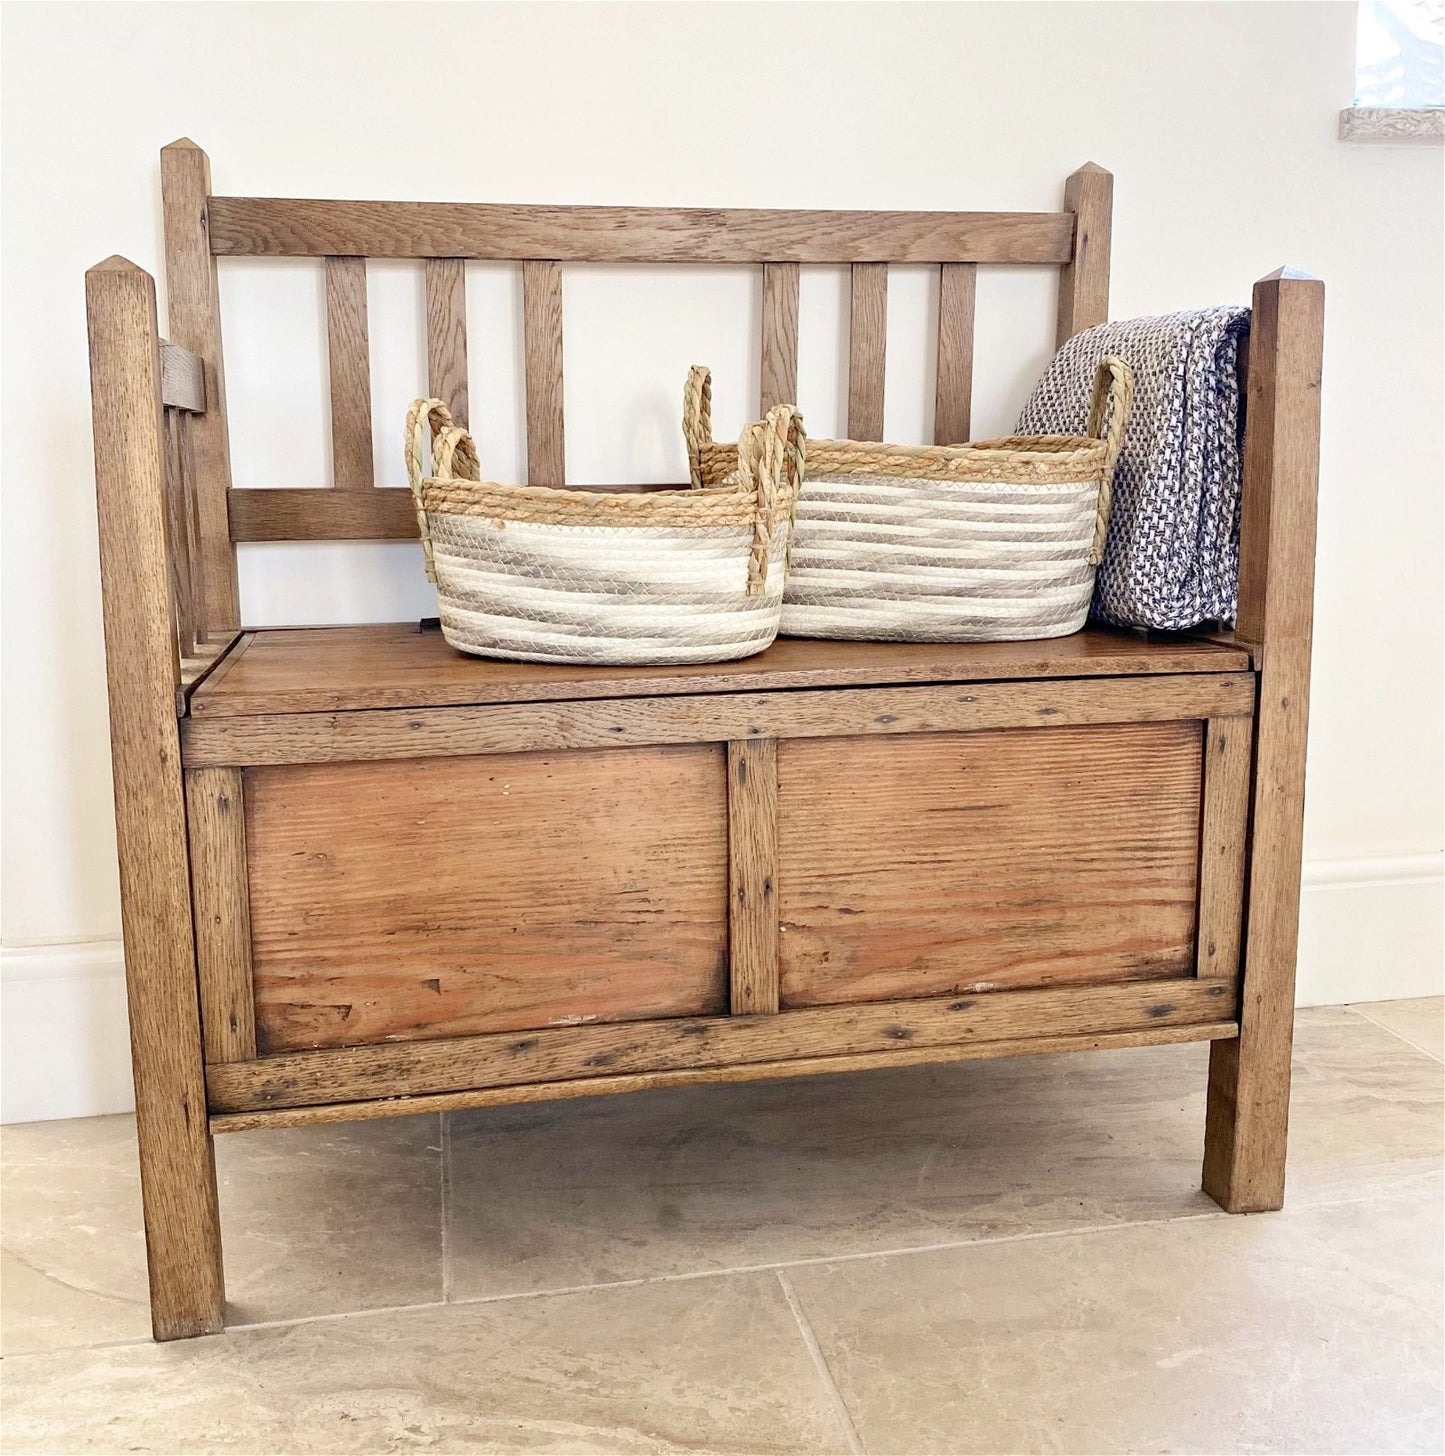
(1385, 1194)
(445, 1141)
(1398, 1035)
(1206, 1215)
(810, 1339)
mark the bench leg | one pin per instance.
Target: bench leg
(1247, 1119)
(182, 1222)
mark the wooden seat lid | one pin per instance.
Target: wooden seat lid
(336, 669)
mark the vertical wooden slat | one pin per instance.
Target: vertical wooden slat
(542, 330)
(1227, 768)
(178, 1179)
(349, 354)
(185, 434)
(752, 874)
(1247, 1120)
(446, 334)
(779, 373)
(1084, 280)
(867, 348)
(953, 392)
(194, 314)
(215, 812)
(177, 536)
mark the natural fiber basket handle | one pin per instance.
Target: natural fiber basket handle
(697, 418)
(451, 447)
(1109, 405)
(767, 452)
(697, 429)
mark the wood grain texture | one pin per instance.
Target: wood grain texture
(1084, 279)
(542, 333)
(952, 864)
(179, 546)
(953, 390)
(446, 334)
(1223, 845)
(427, 898)
(221, 906)
(755, 1072)
(779, 372)
(699, 1043)
(349, 355)
(178, 1183)
(513, 728)
(205, 639)
(183, 379)
(1246, 1127)
(331, 669)
(295, 227)
(867, 350)
(752, 876)
(194, 322)
(281, 514)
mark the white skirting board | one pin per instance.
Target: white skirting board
(1370, 930)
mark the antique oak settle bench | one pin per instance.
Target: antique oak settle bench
(365, 876)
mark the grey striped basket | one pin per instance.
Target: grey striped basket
(993, 541)
(622, 578)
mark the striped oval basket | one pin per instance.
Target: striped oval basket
(994, 541)
(622, 578)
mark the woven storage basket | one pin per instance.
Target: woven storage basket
(542, 575)
(994, 541)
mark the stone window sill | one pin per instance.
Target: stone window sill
(1393, 125)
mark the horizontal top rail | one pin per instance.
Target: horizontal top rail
(300, 227)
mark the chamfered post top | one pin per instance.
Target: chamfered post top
(1091, 169)
(1287, 274)
(115, 264)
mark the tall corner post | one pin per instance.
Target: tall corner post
(178, 1180)
(194, 322)
(1084, 279)
(1247, 1120)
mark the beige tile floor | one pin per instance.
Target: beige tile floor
(993, 1257)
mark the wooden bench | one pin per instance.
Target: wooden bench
(364, 876)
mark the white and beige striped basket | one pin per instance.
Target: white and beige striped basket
(993, 541)
(660, 577)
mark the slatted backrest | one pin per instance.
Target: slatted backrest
(201, 227)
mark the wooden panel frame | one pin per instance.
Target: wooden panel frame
(297, 228)
(346, 233)
(348, 355)
(542, 332)
(599, 1051)
(221, 902)
(446, 334)
(1247, 1120)
(178, 1176)
(194, 322)
(867, 350)
(752, 875)
(953, 389)
(779, 371)
(1223, 844)
(1084, 279)
(1032, 1046)
(398, 733)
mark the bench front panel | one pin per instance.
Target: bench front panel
(946, 863)
(446, 896)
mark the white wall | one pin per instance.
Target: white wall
(1218, 121)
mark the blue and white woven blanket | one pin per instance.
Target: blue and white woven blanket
(1172, 555)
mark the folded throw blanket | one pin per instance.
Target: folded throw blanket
(1172, 555)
